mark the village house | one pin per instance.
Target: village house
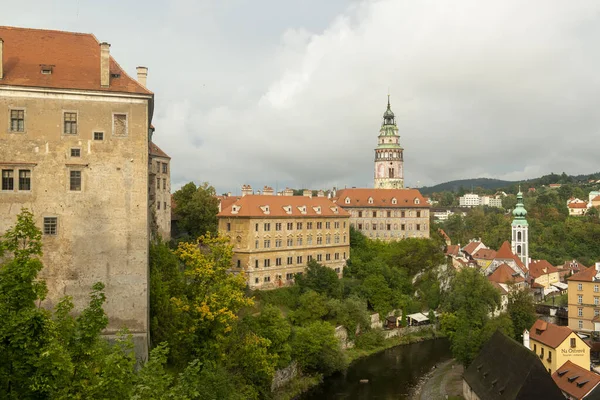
(484, 257)
(570, 268)
(505, 370)
(274, 237)
(577, 383)
(556, 345)
(504, 255)
(75, 151)
(584, 299)
(544, 273)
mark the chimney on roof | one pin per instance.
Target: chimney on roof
(307, 193)
(268, 191)
(1, 58)
(320, 193)
(598, 266)
(104, 64)
(288, 192)
(142, 75)
(246, 190)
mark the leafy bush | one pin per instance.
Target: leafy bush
(370, 339)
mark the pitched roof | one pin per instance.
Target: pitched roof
(586, 275)
(452, 250)
(573, 265)
(470, 248)
(541, 267)
(504, 273)
(226, 201)
(74, 57)
(502, 288)
(485, 254)
(575, 381)
(507, 370)
(256, 206)
(548, 333)
(597, 198)
(381, 198)
(443, 234)
(577, 205)
(156, 151)
(505, 253)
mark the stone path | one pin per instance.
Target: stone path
(444, 380)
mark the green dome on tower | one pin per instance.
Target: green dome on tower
(519, 212)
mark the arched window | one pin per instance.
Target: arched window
(394, 201)
(370, 200)
(519, 249)
(347, 200)
(519, 236)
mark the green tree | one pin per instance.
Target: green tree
(316, 348)
(270, 324)
(197, 208)
(321, 279)
(312, 306)
(521, 310)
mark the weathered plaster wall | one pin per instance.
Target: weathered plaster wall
(103, 229)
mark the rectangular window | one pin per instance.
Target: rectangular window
(360, 214)
(24, 179)
(596, 300)
(277, 242)
(579, 299)
(267, 279)
(309, 225)
(580, 312)
(374, 214)
(402, 227)
(256, 227)
(299, 260)
(389, 227)
(327, 225)
(596, 312)
(299, 225)
(120, 124)
(319, 257)
(319, 225)
(327, 257)
(549, 356)
(50, 225)
(542, 352)
(228, 226)
(290, 226)
(574, 341)
(319, 240)
(402, 214)
(299, 241)
(158, 167)
(165, 205)
(98, 135)
(418, 214)
(309, 258)
(278, 226)
(255, 263)
(158, 183)
(256, 244)
(267, 263)
(580, 324)
(336, 256)
(579, 286)
(165, 168)
(418, 227)
(336, 225)
(267, 243)
(267, 227)
(309, 240)
(164, 183)
(17, 120)
(596, 288)
(360, 227)
(75, 180)
(290, 242)
(290, 260)
(158, 205)
(328, 239)
(374, 226)
(389, 214)
(70, 123)
(278, 261)
(8, 179)
(239, 263)
(75, 152)
(535, 348)
(289, 276)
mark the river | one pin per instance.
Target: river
(391, 373)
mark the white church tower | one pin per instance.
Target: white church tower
(520, 232)
(389, 160)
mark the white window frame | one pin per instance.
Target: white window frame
(44, 225)
(62, 123)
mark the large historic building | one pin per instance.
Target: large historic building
(159, 186)
(274, 237)
(584, 299)
(386, 214)
(389, 162)
(75, 152)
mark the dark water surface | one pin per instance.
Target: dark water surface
(391, 373)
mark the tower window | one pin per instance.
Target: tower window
(519, 236)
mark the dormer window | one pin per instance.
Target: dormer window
(288, 209)
(334, 209)
(417, 201)
(235, 209)
(347, 201)
(370, 200)
(394, 201)
(317, 209)
(302, 209)
(46, 69)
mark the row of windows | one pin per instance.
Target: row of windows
(70, 123)
(288, 277)
(396, 235)
(299, 241)
(266, 263)
(580, 301)
(164, 169)
(158, 205)
(387, 214)
(290, 226)
(164, 183)
(580, 287)
(388, 227)
(24, 183)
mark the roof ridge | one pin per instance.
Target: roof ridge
(47, 30)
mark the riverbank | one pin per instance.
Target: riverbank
(303, 383)
(443, 382)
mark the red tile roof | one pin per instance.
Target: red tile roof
(503, 274)
(577, 205)
(597, 198)
(74, 57)
(452, 250)
(498, 286)
(485, 254)
(226, 201)
(541, 267)
(573, 265)
(156, 151)
(548, 333)
(505, 253)
(381, 198)
(250, 206)
(470, 248)
(584, 276)
(574, 380)
(443, 234)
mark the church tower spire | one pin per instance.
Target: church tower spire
(520, 231)
(389, 160)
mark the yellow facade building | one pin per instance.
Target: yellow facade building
(274, 237)
(584, 299)
(386, 214)
(74, 150)
(544, 273)
(555, 345)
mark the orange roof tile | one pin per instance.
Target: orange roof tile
(541, 267)
(156, 151)
(452, 250)
(74, 57)
(381, 198)
(579, 387)
(443, 233)
(485, 254)
(548, 333)
(498, 286)
(470, 248)
(505, 253)
(585, 275)
(577, 205)
(250, 206)
(597, 198)
(503, 274)
(573, 265)
(226, 201)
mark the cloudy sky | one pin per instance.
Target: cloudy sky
(291, 92)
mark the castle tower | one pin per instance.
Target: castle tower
(389, 173)
(520, 232)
